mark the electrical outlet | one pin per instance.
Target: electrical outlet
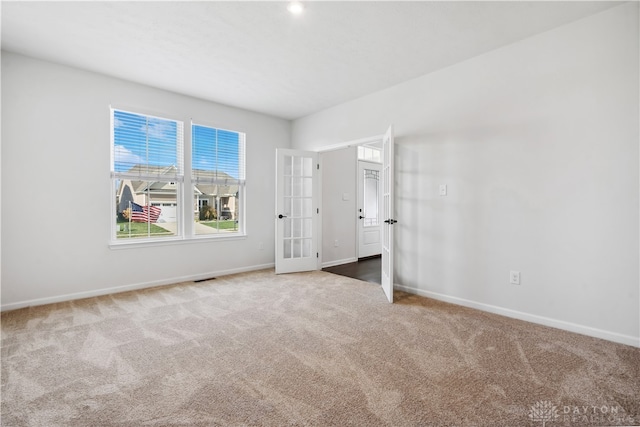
(336, 243)
(443, 189)
(260, 246)
(514, 277)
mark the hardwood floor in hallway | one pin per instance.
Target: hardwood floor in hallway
(366, 269)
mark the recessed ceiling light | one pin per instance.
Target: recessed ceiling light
(295, 7)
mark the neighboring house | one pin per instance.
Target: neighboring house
(211, 188)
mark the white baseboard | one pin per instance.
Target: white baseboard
(541, 320)
(132, 287)
(338, 262)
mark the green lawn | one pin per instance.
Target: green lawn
(140, 229)
(221, 225)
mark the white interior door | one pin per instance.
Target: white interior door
(369, 211)
(387, 213)
(296, 211)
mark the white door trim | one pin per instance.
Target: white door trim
(347, 144)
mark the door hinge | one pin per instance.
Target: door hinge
(317, 210)
(317, 254)
(318, 166)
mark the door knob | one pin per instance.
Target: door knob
(282, 216)
(360, 217)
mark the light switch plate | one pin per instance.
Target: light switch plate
(443, 189)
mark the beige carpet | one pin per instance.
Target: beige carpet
(302, 349)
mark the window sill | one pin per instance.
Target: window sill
(143, 243)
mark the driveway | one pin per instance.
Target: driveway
(199, 228)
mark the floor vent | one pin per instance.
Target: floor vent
(204, 280)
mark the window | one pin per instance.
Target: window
(370, 154)
(146, 169)
(156, 198)
(370, 197)
(218, 180)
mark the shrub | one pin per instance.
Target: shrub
(208, 213)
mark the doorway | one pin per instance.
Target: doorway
(342, 212)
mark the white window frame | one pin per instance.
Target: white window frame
(184, 189)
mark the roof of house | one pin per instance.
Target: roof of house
(205, 181)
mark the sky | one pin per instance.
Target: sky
(140, 139)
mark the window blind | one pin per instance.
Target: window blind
(146, 146)
(218, 155)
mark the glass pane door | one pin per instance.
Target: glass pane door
(297, 204)
(296, 211)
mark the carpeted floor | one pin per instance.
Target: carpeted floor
(302, 349)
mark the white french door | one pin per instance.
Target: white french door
(387, 213)
(296, 211)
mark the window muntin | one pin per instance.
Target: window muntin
(297, 207)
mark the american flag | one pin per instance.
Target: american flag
(144, 213)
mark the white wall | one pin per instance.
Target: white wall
(338, 215)
(538, 144)
(56, 186)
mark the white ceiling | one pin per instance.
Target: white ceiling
(256, 55)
